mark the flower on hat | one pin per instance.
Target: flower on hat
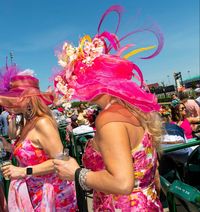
(92, 50)
(85, 53)
(67, 55)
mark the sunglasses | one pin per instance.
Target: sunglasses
(182, 108)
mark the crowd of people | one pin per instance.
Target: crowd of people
(181, 120)
(120, 161)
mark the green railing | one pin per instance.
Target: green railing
(182, 193)
(78, 142)
(174, 147)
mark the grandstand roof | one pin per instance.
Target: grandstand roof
(194, 78)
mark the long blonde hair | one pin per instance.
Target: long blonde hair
(150, 121)
(40, 109)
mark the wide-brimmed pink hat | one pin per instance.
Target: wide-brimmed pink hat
(17, 85)
(90, 70)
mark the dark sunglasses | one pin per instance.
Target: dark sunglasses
(182, 108)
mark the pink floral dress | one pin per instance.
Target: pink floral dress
(144, 197)
(39, 193)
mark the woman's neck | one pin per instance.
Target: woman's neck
(109, 104)
(104, 101)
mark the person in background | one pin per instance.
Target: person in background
(3, 149)
(56, 113)
(72, 117)
(4, 122)
(1, 124)
(182, 119)
(121, 160)
(34, 184)
(197, 91)
(173, 134)
(192, 107)
(175, 100)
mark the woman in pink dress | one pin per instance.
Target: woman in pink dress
(181, 118)
(121, 160)
(34, 184)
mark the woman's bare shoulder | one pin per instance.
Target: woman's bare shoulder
(43, 122)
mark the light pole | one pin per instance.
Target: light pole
(6, 63)
(168, 79)
(189, 73)
(163, 87)
(11, 58)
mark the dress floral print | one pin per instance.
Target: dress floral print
(39, 193)
(143, 197)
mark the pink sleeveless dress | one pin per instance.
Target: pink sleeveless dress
(144, 196)
(186, 126)
(39, 193)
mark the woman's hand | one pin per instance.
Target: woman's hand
(13, 172)
(66, 169)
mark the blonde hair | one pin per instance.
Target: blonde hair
(40, 109)
(150, 121)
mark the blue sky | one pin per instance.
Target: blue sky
(33, 29)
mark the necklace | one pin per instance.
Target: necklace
(110, 103)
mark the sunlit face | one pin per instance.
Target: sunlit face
(19, 109)
(182, 109)
(15, 111)
(173, 96)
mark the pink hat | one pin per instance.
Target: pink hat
(16, 86)
(89, 70)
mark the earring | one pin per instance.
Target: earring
(29, 112)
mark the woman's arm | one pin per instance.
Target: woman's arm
(15, 172)
(194, 120)
(118, 177)
(114, 145)
(47, 136)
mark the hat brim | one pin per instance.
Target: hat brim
(128, 91)
(15, 97)
(113, 75)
